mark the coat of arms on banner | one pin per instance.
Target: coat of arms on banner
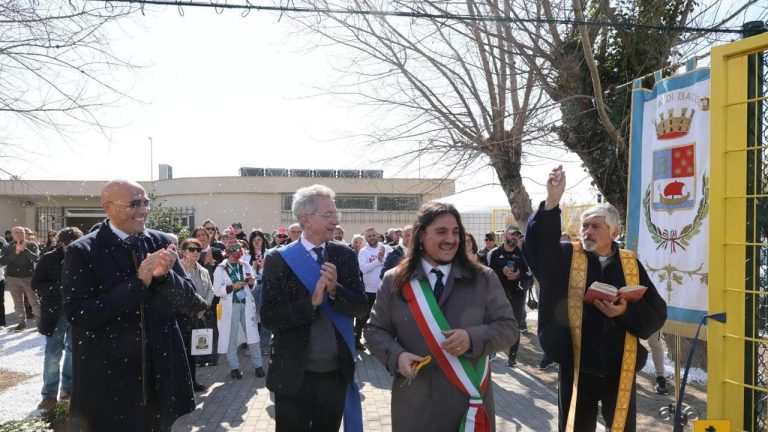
(674, 178)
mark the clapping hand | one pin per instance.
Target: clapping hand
(157, 264)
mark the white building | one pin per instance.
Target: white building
(261, 200)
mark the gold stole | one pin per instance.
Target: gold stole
(576, 286)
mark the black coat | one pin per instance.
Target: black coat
(109, 307)
(287, 310)
(46, 281)
(392, 260)
(602, 337)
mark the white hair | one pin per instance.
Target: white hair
(305, 199)
(606, 211)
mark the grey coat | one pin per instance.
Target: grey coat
(478, 305)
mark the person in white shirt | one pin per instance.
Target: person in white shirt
(371, 260)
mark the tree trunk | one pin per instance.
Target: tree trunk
(506, 159)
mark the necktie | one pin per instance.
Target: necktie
(439, 286)
(319, 252)
(135, 243)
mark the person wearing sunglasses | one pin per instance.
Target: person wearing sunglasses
(213, 232)
(209, 258)
(191, 319)
(121, 286)
(233, 281)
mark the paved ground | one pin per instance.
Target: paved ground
(525, 397)
(522, 402)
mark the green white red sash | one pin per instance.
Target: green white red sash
(470, 381)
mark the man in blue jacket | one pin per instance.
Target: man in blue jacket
(121, 286)
(595, 344)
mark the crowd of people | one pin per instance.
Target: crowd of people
(122, 302)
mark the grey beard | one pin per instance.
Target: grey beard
(588, 245)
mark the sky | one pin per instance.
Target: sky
(215, 92)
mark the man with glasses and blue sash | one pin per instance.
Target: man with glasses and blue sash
(312, 291)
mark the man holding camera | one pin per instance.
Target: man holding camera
(508, 263)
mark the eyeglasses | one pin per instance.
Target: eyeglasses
(210, 228)
(331, 215)
(134, 203)
(194, 249)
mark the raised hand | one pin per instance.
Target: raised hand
(555, 187)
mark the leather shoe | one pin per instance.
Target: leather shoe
(22, 325)
(64, 395)
(47, 404)
(198, 387)
(236, 375)
(260, 372)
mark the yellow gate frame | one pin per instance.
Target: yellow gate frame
(729, 396)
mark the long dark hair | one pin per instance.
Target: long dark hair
(424, 218)
(254, 234)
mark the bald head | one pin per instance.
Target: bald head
(115, 189)
(126, 205)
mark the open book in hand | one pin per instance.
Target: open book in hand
(607, 292)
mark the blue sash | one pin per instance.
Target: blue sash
(308, 272)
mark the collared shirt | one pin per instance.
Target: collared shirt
(445, 268)
(120, 233)
(309, 246)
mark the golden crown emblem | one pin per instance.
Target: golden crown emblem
(673, 126)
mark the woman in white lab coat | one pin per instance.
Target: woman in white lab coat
(233, 282)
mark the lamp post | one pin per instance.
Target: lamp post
(151, 163)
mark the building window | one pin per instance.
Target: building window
(400, 203)
(355, 202)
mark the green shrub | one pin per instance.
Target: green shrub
(26, 425)
(59, 412)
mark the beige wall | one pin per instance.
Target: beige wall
(254, 201)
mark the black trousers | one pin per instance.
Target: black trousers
(317, 407)
(360, 322)
(2, 303)
(592, 389)
(517, 301)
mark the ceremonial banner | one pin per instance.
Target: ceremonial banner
(668, 208)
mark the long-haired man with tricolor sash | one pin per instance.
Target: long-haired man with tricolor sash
(439, 303)
(312, 291)
(596, 345)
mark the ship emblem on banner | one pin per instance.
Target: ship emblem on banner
(674, 178)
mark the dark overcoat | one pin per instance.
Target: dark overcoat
(602, 337)
(473, 301)
(46, 281)
(287, 310)
(116, 365)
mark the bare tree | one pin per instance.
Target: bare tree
(56, 67)
(459, 88)
(587, 69)
(484, 88)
